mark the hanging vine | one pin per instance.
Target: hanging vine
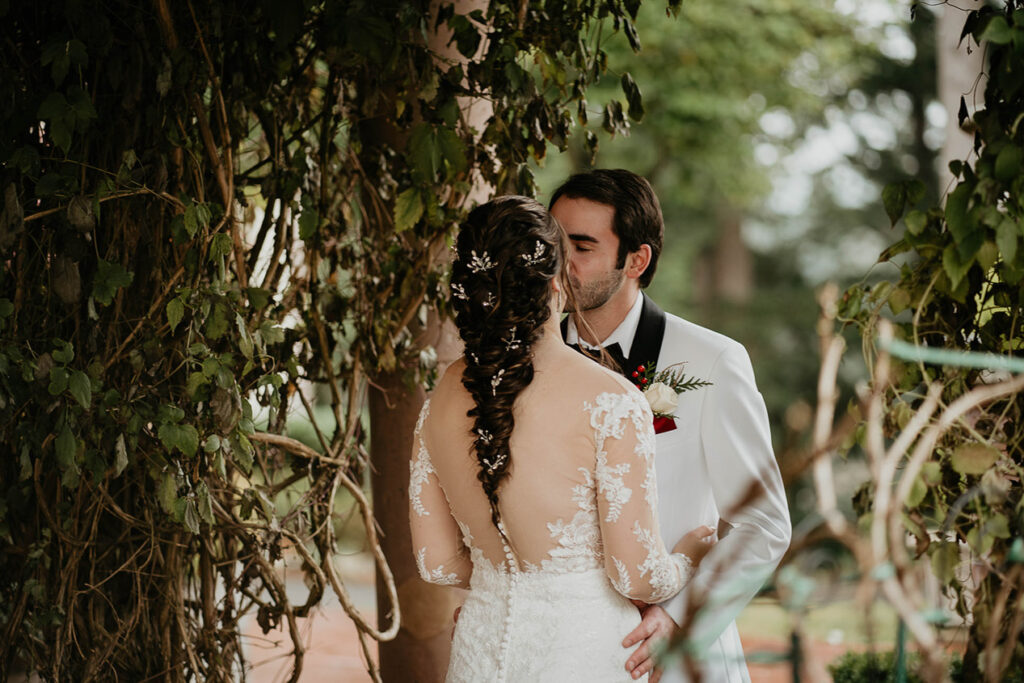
(210, 209)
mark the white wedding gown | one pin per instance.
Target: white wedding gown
(579, 509)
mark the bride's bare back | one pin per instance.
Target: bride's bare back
(580, 492)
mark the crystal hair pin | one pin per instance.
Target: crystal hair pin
(459, 292)
(495, 381)
(512, 343)
(491, 466)
(490, 300)
(485, 436)
(480, 264)
(473, 357)
(536, 257)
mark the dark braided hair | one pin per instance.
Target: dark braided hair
(507, 253)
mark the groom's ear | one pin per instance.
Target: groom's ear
(638, 261)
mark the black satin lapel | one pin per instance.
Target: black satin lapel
(650, 332)
(565, 326)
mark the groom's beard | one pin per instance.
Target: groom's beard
(595, 293)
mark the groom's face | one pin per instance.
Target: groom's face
(595, 249)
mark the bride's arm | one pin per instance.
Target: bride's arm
(441, 557)
(636, 559)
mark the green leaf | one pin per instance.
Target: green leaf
(212, 443)
(167, 492)
(987, 254)
(120, 456)
(916, 221)
(918, 490)
(894, 197)
(955, 269)
(196, 380)
(974, 458)
(220, 246)
(54, 107)
(915, 190)
(271, 333)
(424, 153)
(956, 211)
(58, 380)
(6, 308)
(309, 220)
(408, 209)
(944, 562)
(184, 438)
(217, 322)
(1008, 163)
(109, 278)
(189, 219)
(245, 344)
(205, 504)
(243, 451)
(454, 152)
(997, 31)
(258, 297)
(998, 526)
(633, 97)
(64, 448)
(1006, 239)
(64, 351)
(899, 300)
(80, 388)
(175, 312)
(191, 517)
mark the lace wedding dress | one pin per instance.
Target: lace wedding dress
(579, 511)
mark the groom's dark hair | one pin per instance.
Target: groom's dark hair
(638, 218)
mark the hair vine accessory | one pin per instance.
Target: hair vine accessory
(480, 264)
(512, 342)
(495, 381)
(490, 300)
(536, 257)
(473, 357)
(459, 292)
(484, 435)
(491, 466)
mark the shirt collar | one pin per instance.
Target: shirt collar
(622, 335)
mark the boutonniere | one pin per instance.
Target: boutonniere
(661, 388)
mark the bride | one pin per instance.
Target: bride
(532, 478)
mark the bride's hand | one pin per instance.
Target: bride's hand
(696, 544)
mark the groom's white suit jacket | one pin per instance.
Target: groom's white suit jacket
(706, 469)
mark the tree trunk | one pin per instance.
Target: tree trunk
(420, 651)
(958, 73)
(733, 265)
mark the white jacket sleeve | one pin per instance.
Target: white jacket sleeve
(748, 491)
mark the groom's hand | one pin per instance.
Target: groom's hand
(655, 625)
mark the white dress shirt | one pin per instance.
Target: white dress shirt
(622, 335)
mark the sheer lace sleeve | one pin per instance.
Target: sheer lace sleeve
(635, 557)
(441, 556)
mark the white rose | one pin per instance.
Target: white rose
(662, 398)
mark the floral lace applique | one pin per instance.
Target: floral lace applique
(623, 584)
(476, 555)
(608, 415)
(420, 467)
(434, 575)
(578, 541)
(665, 574)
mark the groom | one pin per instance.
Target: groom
(714, 461)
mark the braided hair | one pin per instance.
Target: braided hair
(507, 252)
